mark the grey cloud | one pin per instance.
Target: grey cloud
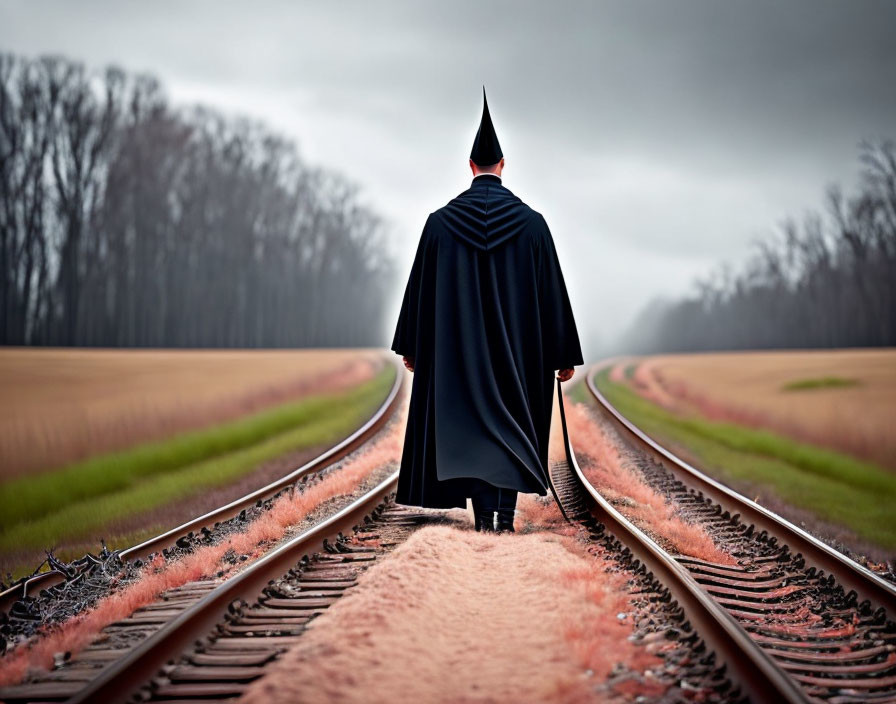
(653, 134)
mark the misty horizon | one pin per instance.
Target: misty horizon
(657, 142)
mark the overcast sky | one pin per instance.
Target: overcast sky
(657, 138)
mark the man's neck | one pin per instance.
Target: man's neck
(486, 173)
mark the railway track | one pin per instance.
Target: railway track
(119, 638)
(209, 640)
(240, 624)
(256, 631)
(781, 626)
(57, 579)
(794, 621)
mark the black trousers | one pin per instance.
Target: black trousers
(490, 497)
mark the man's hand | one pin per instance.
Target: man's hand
(408, 362)
(565, 374)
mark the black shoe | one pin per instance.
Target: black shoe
(484, 520)
(505, 521)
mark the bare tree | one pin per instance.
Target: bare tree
(126, 222)
(828, 283)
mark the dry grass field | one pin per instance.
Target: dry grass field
(806, 433)
(63, 405)
(119, 445)
(841, 399)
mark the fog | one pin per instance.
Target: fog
(656, 138)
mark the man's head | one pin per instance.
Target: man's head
(495, 169)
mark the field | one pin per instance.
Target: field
(118, 445)
(841, 399)
(805, 433)
(64, 405)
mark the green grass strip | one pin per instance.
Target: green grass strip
(212, 456)
(824, 382)
(88, 516)
(836, 487)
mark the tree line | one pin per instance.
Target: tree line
(127, 222)
(829, 281)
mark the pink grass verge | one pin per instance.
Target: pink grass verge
(597, 637)
(161, 576)
(599, 640)
(542, 514)
(617, 373)
(648, 384)
(630, 494)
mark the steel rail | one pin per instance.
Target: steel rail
(848, 573)
(760, 678)
(48, 579)
(122, 679)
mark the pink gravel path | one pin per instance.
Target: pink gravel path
(458, 616)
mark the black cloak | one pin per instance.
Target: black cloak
(487, 320)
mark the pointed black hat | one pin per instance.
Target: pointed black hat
(486, 150)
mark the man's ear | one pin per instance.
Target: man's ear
(472, 167)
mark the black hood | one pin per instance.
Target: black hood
(486, 214)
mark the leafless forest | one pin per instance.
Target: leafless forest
(127, 222)
(829, 281)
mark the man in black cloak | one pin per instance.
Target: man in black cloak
(484, 323)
